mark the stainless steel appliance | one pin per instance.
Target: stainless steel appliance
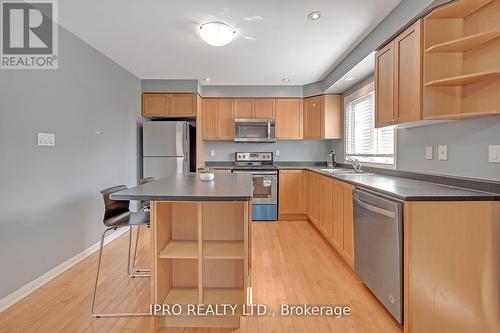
(265, 183)
(168, 147)
(378, 247)
(254, 130)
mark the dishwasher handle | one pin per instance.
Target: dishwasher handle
(374, 209)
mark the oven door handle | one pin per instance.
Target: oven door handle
(259, 173)
(374, 209)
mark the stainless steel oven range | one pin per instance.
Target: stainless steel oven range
(265, 183)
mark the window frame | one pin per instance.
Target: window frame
(352, 96)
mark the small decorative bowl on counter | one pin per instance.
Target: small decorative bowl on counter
(207, 174)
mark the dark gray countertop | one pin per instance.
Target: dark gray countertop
(397, 184)
(189, 187)
(410, 189)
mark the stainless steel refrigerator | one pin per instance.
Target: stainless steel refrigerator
(168, 147)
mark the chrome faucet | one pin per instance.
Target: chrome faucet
(355, 164)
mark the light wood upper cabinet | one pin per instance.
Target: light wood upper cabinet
(323, 117)
(264, 108)
(169, 105)
(291, 186)
(217, 119)
(384, 86)
(312, 118)
(183, 105)
(348, 225)
(337, 222)
(398, 78)
(209, 119)
(154, 105)
(408, 74)
(243, 108)
(289, 119)
(225, 119)
(325, 205)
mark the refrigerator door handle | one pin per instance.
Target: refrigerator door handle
(180, 132)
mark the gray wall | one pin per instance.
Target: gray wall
(309, 150)
(167, 85)
(49, 197)
(251, 91)
(467, 142)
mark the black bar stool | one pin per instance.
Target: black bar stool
(139, 272)
(117, 215)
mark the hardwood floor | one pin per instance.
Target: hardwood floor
(292, 264)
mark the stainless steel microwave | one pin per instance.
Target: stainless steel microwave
(254, 130)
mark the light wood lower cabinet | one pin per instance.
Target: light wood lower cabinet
(325, 205)
(313, 197)
(326, 202)
(291, 187)
(451, 266)
(337, 222)
(222, 170)
(347, 225)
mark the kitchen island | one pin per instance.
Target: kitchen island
(200, 247)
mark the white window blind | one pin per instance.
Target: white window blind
(363, 141)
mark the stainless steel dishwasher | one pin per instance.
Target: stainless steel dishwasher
(378, 247)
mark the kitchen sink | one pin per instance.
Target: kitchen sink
(346, 172)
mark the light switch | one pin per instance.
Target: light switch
(494, 153)
(212, 153)
(277, 153)
(46, 139)
(429, 153)
(443, 152)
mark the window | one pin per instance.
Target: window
(363, 141)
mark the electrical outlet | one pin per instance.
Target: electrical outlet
(429, 154)
(277, 153)
(443, 152)
(212, 153)
(46, 139)
(494, 153)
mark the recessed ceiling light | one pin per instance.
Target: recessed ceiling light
(315, 15)
(349, 78)
(217, 33)
(285, 79)
(207, 79)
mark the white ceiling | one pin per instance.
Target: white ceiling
(159, 39)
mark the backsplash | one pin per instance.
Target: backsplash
(467, 142)
(310, 150)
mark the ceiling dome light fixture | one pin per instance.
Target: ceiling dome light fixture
(207, 79)
(315, 15)
(285, 79)
(349, 78)
(217, 33)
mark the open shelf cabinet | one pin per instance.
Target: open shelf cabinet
(200, 256)
(462, 60)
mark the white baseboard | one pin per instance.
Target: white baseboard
(27, 289)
